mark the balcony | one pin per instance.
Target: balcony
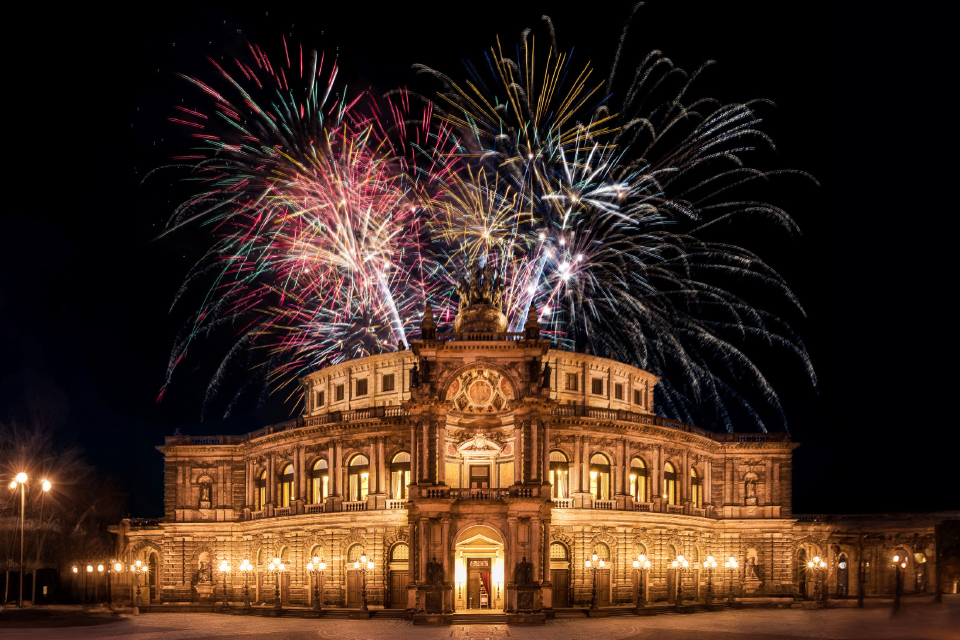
(562, 503)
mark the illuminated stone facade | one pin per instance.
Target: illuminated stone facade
(481, 449)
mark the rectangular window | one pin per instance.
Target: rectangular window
(636, 396)
(571, 382)
(362, 387)
(479, 477)
(597, 384)
(387, 382)
(319, 398)
(618, 391)
(339, 392)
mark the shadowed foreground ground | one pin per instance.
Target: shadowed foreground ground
(918, 621)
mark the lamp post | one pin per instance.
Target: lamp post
(640, 565)
(680, 564)
(594, 564)
(277, 568)
(245, 569)
(96, 582)
(20, 480)
(817, 565)
(138, 569)
(316, 567)
(731, 566)
(898, 563)
(710, 564)
(363, 566)
(115, 568)
(86, 586)
(225, 571)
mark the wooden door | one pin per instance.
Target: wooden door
(398, 589)
(473, 590)
(561, 587)
(603, 587)
(285, 588)
(353, 588)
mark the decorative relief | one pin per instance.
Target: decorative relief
(481, 390)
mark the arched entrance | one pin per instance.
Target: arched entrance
(479, 569)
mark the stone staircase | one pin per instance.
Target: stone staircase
(479, 618)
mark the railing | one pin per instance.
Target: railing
(562, 503)
(435, 493)
(257, 515)
(282, 511)
(396, 504)
(700, 513)
(482, 336)
(674, 508)
(479, 494)
(604, 504)
(314, 508)
(143, 522)
(643, 506)
(359, 505)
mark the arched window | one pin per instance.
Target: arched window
(602, 552)
(261, 498)
(696, 489)
(353, 554)
(400, 552)
(558, 552)
(319, 481)
(399, 475)
(670, 483)
(638, 480)
(285, 487)
(559, 469)
(600, 477)
(359, 478)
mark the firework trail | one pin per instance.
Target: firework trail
(337, 220)
(616, 186)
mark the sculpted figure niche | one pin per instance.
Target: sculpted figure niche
(481, 300)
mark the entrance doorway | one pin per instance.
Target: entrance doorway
(479, 570)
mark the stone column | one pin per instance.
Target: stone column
(248, 476)
(534, 450)
(545, 458)
(585, 466)
(446, 559)
(576, 473)
(272, 480)
(423, 546)
(414, 455)
(509, 565)
(332, 482)
(381, 466)
(442, 456)
(618, 469)
(768, 483)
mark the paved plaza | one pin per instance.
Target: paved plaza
(918, 621)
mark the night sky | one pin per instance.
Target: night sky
(85, 292)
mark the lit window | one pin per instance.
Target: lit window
(638, 480)
(558, 551)
(559, 471)
(285, 487)
(696, 489)
(670, 483)
(318, 481)
(600, 477)
(261, 490)
(399, 476)
(358, 478)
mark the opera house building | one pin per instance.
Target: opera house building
(483, 469)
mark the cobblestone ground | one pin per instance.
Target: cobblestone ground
(917, 622)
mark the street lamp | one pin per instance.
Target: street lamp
(899, 563)
(731, 566)
(277, 567)
(138, 569)
(641, 564)
(710, 564)
(680, 564)
(316, 567)
(20, 480)
(115, 568)
(97, 582)
(816, 564)
(245, 569)
(594, 564)
(86, 584)
(225, 571)
(363, 566)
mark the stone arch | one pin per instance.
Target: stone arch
(356, 536)
(557, 534)
(607, 539)
(134, 551)
(642, 545)
(399, 535)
